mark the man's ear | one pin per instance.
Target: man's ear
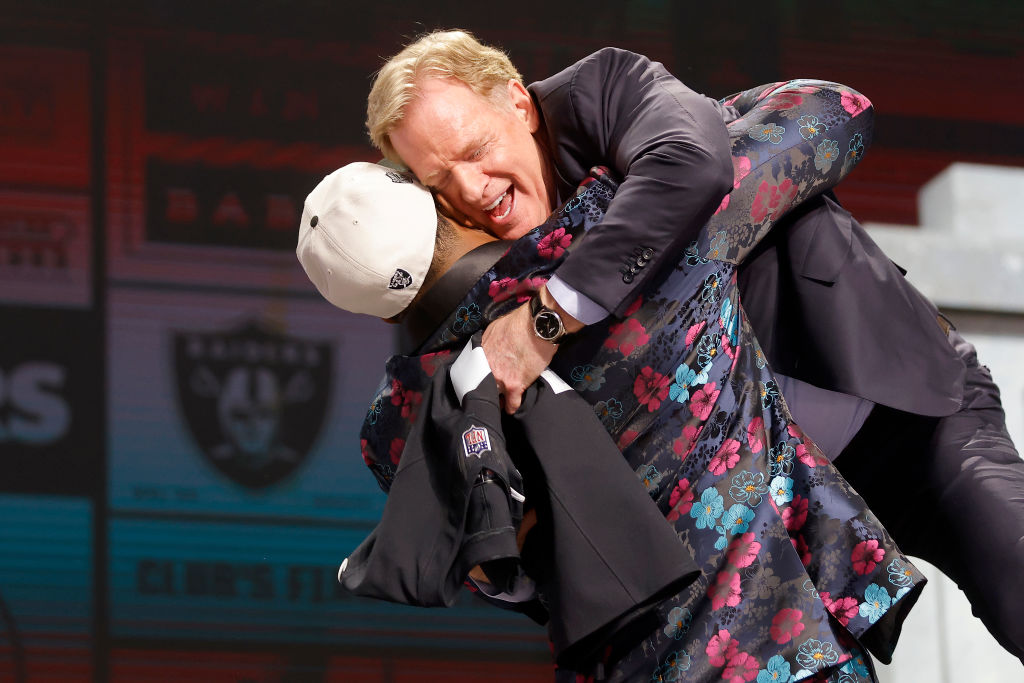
(523, 105)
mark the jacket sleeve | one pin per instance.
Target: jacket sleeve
(794, 141)
(667, 143)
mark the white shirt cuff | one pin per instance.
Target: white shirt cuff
(579, 306)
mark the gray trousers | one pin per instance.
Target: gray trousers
(950, 490)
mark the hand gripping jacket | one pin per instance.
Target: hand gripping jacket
(455, 503)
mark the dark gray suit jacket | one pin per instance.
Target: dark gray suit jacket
(826, 304)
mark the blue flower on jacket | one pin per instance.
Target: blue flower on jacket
(780, 459)
(678, 623)
(856, 150)
(374, 412)
(857, 666)
(736, 519)
(586, 377)
(686, 378)
(609, 410)
(776, 670)
(649, 476)
(767, 132)
(900, 573)
(769, 392)
(707, 349)
(693, 257)
(730, 320)
(876, 602)
(782, 490)
(719, 245)
(816, 654)
(825, 154)
(675, 664)
(467, 318)
(709, 509)
(710, 290)
(809, 126)
(748, 487)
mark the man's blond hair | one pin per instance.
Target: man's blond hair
(441, 54)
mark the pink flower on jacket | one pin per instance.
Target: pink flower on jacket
(703, 401)
(499, 290)
(691, 334)
(743, 550)
(633, 307)
(684, 445)
(651, 388)
(809, 454)
(802, 550)
(786, 625)
(430, 362)
(756, 435)
(721, 647)
(842, 609)
(364, 450)
(740, 170)
(626, 336)
(725, 590)
(730, 350)
(795, 513)
(528, 286)
(782, 101)
(680, 501)
(866, 555)
(740, 668)
(395, 450)
(854, 103)
(406, 398)
(726, 458)
(627, 437)
(769, 90)
(772, 200)
(553, 245)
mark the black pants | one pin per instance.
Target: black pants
(950, 490)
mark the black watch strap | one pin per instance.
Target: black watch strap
(547, 323)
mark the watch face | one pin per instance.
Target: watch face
(547, 325)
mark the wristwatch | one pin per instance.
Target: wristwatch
(547, 324)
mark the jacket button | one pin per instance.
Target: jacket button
(627, 277)
(647, 254)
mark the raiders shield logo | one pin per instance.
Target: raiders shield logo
(397, 177)
(400, 280)
(253, 400)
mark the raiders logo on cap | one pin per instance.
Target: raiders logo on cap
(400, 280)
(397, 177)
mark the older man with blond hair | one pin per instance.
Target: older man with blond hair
(867, 364)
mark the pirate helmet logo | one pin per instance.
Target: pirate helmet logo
(253, 400)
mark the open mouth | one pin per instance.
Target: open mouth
(501, 207)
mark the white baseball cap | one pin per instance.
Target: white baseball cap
(367, 238)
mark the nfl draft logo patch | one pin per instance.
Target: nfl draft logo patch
(253, 400)
(475, 441)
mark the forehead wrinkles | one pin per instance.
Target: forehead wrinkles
(448, 140)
